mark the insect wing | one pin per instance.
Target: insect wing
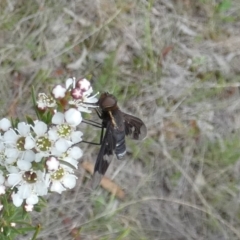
(105, 155)
(134, 127)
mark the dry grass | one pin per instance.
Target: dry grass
(175, 64)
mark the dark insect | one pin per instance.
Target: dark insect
(117, 125)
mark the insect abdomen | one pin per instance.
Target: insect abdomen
(120, 149)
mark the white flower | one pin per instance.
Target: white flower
(44, 101)
(62, 179)
(52, 163)
(80, 91)
(15, 179)
(30, 184)
(28, 208)
(59, 91)
(23, 140)
(90, 99)
(84, 104)
(64, 134)
(84, 85)
(72, 117)
(18, 144)
(81, 95)
(43, 143)
(72, 157)
(5, 124)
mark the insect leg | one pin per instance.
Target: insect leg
(92, 123)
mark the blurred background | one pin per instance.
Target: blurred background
(172, 63)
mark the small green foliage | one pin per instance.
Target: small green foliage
(224, 5)
(223, 154)
(13, 215)
(175, 178)
(99, 202)
(14, 122)
(29, 120)
(124, 234)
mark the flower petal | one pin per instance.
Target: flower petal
(32, 199)
(40, 128)
(57, 187)
(2, 190)
(24, 190)
(14, 179)
(70, 82)
(5, 124)
(29, 143)
(76, 152)
(58, 118)
(24, 165)
(29, 156)
(69, 181)
(10, 136)
(23, 129)
(70, 160)
(52, 134)
(73, 117)
(62, 145)
(17, 200)
(76, 136)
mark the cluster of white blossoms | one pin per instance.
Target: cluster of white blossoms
(40, 157)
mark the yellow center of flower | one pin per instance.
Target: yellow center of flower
(58, 174)
(43, 144)
(20, 144)
(64, 130)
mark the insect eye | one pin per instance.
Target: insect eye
(107, 101)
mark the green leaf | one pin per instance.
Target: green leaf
(29, 120)
(224, 6)
(124, 234)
